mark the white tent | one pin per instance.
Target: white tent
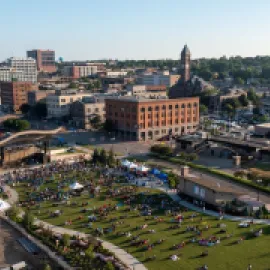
(75, 186)
(142, 168)
(4, 206)
(125, 163)
(132, 166)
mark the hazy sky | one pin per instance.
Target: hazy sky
(135, 29)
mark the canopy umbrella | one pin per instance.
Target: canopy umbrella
(75, 186)
(4, 206)
(163, 176)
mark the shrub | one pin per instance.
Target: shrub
(161, 149)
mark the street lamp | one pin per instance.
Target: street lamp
(259, 181)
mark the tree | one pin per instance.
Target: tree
(109, 266)
(66, 240)
(252, 96)
(243, 100)
(47, 267)
(40, 110)
(28, 220)
(108, 125)
(13, 213)
(95, 157)
(89, 252)
(111, 158)
(239, 80)
(103, 156)
(161, 149)
(16, 124)
(25, 108)
(203, 109)
(96, 121)
(72, 85)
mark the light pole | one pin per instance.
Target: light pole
(259, 181)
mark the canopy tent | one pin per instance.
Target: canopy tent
(75, 186)
(143, 169)
(163, 176)
(155, 171)
(132, 166)
(4, 206)
(125, 163)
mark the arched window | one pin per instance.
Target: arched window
(183, 106)
(163, 107)
(189, 105)
(176, 106)
(149, 109)
(157, 108)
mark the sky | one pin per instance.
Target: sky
(135, 29)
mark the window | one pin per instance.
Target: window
(63, 100)
(189, 105)
(157, 108)
(176, 106)
(195, 104)
(89, 110)
(149, 109)
(183, 106)
(164, 107)
(170, 107)
(142, 109)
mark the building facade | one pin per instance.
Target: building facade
(163, 78)
(147, 91)
(45, 60)
(38, 95)
(58, 105)
(77, 72)
(15, 94)
(19, 69)
(83, 111)
(151, 119)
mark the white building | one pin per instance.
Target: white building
(21, 69)
(163, 78)
(58, 105)
(77, 72)
(114, 74)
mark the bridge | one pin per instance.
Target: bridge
(26, 143)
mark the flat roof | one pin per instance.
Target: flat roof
(211, 184)
(141, 99)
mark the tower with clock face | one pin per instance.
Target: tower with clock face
(185, 64)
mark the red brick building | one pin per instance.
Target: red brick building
(151, 119)
(45, 60)
(14, 94)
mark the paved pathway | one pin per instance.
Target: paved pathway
(121, 254)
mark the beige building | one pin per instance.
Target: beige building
(164, 78)
(205, 190)
(147, 91)
(83, 111)
(58, 105)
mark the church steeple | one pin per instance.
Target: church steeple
(185, 64)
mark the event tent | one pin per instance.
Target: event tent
(155, 171)
(163, 176)
(142, 169)
(4, 206)
(132, 166)
(75, 186)
(125, 163)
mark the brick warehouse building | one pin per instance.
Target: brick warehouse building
(138, 118)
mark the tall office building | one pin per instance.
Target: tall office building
(45, 60)
(19, 69)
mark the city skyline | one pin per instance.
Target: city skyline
(143, 30)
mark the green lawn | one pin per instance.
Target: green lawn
(226, 255)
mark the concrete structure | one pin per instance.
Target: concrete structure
(83, 111)
(36, 96)
(15, 94)
(147, 91)
(162, 78)
(58, 105)
(151, 119)
(77, 72)
(204, 190)
(19, 69)
(45, 60)
(262, 129)
(115, 74)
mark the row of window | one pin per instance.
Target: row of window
(170, 107)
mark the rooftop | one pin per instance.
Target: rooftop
(140, 99)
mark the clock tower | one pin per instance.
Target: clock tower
(185, 64)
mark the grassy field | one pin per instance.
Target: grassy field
(226, 255)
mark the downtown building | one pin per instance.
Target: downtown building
(45, 60)
(19, 69)
(142, 119)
